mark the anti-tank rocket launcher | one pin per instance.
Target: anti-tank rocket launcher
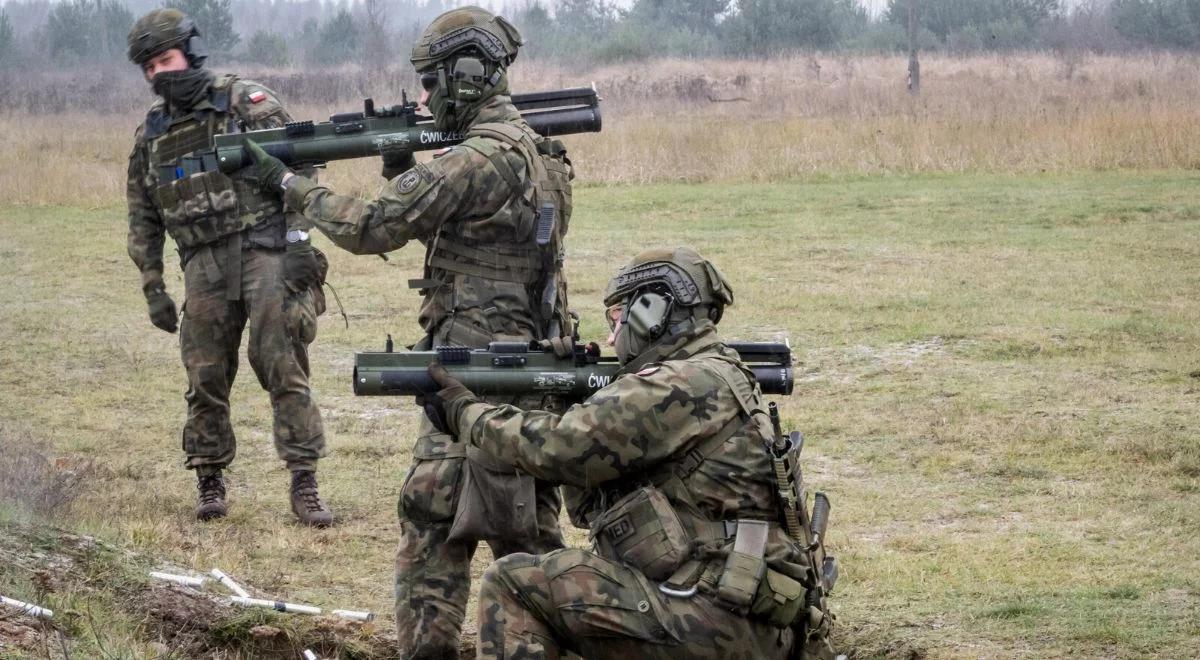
(517, 368)
(376, 130)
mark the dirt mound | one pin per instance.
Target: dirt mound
(103, 600)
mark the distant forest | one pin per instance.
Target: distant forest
(41, 34)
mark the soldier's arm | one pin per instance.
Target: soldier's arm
(146, 230)
(634, 423)
(410, 206)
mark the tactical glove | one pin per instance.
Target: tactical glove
(163, 313)
(397, 162)
(301, 270)
(436, 405)
(268, 169)
(562, 346)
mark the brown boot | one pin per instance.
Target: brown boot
(211, 500)
(306, 502)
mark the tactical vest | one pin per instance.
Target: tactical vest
(198, 203)
(535, 256)
(749, 566)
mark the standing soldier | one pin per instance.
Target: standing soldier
(700, 553)
(491, 213)
(244, 261)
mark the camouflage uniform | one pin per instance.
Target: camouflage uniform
(685, 419)
(231, 239)
(473, 208)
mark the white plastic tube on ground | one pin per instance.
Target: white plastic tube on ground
(28, 608)
(277, 605)
(229, 583)
(185, 580)
(354, 615)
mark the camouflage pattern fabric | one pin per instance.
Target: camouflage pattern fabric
(281, 326)
(433, 579)
(636, 430)
(461, 196)
(537, 607)
(216, 312)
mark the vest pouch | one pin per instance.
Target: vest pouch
(745, 566)
(497, 502)
(643, 531)
(199, 209)
(780, 600)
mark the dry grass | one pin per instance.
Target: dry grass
(998, 385)
(801, 118)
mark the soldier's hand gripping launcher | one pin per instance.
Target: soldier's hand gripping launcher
(389, 128)
(517, 368)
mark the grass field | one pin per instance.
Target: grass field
(998, 380)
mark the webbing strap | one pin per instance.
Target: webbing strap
(509, 263)
(692, 460)
(481, 270)
(517, 256)
(233, 267)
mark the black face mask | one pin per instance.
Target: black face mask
(182, 89)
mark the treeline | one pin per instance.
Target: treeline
(42, 34)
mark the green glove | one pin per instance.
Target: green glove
(301, 271)
(268, 169)
(163, 313)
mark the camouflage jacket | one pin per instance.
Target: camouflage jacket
(638, 429)
(474, 222)
(249, 106)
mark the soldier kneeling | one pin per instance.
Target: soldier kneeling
(676, 462)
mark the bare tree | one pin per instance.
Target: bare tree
(914, 65)
(375, 39)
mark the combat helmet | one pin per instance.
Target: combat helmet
(462, 58)
(662, 294)
(161, 30)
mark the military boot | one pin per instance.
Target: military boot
(211, 500)
(306, 502)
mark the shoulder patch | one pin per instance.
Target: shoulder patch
(649, 371)
(442, 152)
(408, 181)
(257, 96)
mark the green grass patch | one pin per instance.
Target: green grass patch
(995, 378)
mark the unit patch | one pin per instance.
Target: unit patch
(408, 181)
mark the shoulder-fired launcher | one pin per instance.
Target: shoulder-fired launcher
(517, 368)
(398, 127)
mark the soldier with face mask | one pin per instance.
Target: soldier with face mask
(491, 213)
(692, 557)
(246, 262)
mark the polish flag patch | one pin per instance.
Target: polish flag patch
(258, 97)
(648, 371)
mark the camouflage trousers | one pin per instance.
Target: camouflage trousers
(432, 574)
(574, 601)
(281, 323)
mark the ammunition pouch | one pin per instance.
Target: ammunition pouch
(199, 209)
(643, 530)
(496, 502)
(745, 566)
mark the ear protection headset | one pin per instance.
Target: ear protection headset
(193, 48)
